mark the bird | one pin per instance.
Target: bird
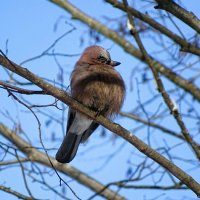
(97, 85)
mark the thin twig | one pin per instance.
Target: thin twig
(15, 193)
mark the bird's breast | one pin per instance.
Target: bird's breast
(101, 92)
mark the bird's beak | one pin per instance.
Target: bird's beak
(115, 63)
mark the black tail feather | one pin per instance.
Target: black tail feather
(68, 148)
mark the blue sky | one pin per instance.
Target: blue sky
(27, 29)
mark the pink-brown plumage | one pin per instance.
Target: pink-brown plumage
(96, 84)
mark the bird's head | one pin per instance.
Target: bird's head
(97, 55)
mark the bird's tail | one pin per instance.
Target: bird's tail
(68, 148)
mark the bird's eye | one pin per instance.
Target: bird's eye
(102, 59)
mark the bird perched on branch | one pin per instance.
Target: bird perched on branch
(96, 84)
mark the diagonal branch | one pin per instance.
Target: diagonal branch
(157, 126)
(185, 46)
(116, 128)
(188, 17)
(15, 193)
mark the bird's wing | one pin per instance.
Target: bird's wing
(77, 125)
(71, 115)
(89, 131)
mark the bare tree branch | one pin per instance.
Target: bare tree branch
(132, 139)
(19, 90)
(39, 157)
(163, 129)
(188, 17)
(185, 46)
(15, 193)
